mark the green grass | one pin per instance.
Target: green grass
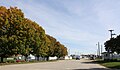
(109, 64)
(112, 65)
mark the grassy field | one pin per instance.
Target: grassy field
(109, 64)
(112, 65)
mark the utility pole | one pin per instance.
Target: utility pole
(69, 52)
(98, 49)
(101, 49)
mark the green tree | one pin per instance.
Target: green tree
(9, 20)
(117, 44)
(19, 35)
(40, 46)
(64, 51)
(56, 48)
(60, 50)
(110, 45)
(51, 45)
(113, 45)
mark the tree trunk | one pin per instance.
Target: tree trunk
(26, 57)
(1, 59)
(38, 58)
(47, 58)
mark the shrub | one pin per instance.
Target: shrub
(11, 61)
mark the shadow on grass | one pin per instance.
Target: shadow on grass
(115, 67)
(105, 61)
(94, 69)
(92, 62)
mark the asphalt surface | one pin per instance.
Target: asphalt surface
(82, 64)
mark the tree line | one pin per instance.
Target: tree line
(20, 35)
(113, 45)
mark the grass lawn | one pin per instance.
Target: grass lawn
(109, 64)
(112, 64)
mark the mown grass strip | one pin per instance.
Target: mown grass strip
(109, 64)
(115, 65)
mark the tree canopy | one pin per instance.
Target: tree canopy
(20, 35)
(113, 45)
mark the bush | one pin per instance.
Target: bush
(11, 61)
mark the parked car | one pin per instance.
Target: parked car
(77, 57)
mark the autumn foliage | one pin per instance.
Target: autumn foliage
(20, 35)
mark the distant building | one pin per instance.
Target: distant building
(67, 57)
(106, 56)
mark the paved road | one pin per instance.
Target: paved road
(57, 65)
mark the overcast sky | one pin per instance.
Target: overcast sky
(78, 24)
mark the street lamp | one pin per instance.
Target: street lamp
(110, 38)
(111, 33)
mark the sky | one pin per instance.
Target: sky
(78, 24)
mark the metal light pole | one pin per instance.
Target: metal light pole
(111, 33)
(110, 38)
